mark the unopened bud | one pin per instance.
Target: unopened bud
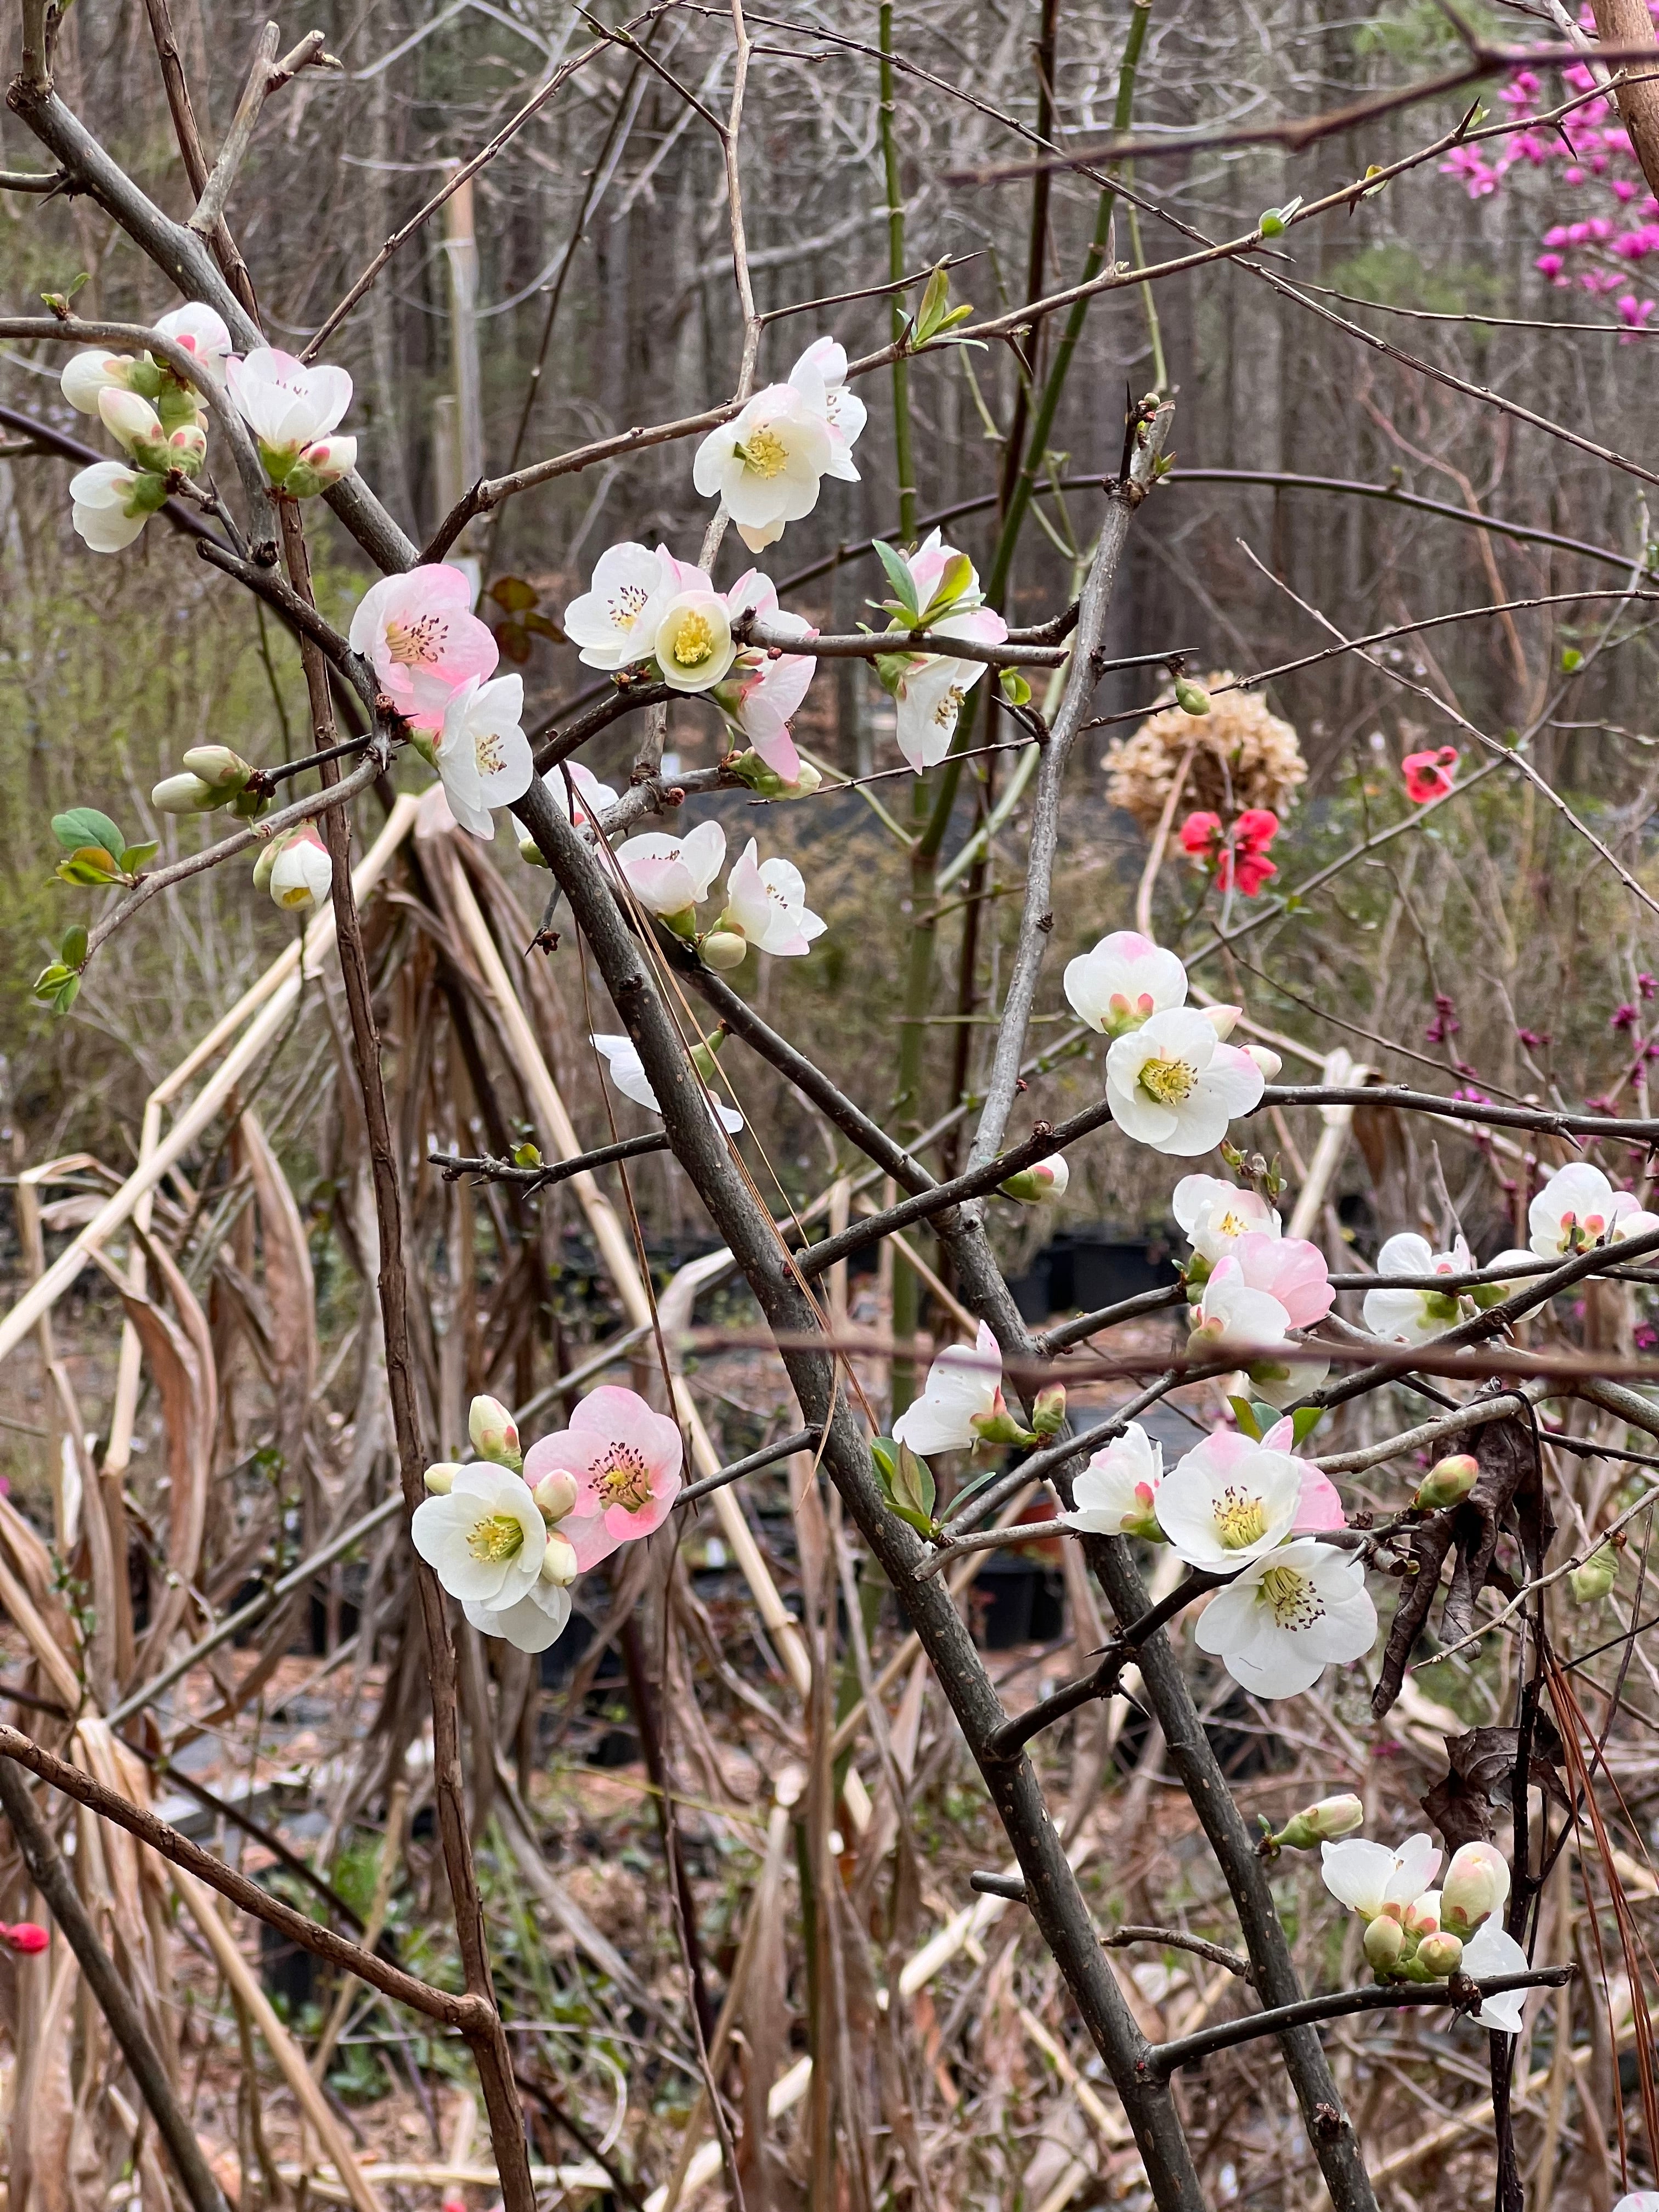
(1191, 698)
(702, 1053)
(1000, 1426)
(723, 948)
(1322, 1823)
(186, 794)
(301, 872)
(1385, 1945)
(25, 1936)
(1266, 1059)
(129, 420)
(185, 448)
(495, 1434)
(1591, 1582)
(765, 781)
(1439, 1956)
(318, 467)
(1421, 1917)
(1032, 1185)
(1450, 1482)
(1221, 1019)
(559, 1562)
(555, 1495)
(267, 860)
(217, 765)
(87, 376)
(1476, 1885)
(1048, 1410)
(440, 1479)
(530, 852)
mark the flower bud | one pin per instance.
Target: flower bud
(493, 1432)
(765, 781)
(27, 1936)
(1266, 1059)
(1439, 1956)
(187, 449)
(1221, 1020)
(1048, 1179)
(267, 860)
(129, 420)
(559, 1562)
(1048, 1410)
(1421, 1917)
(1322, 1823)
(318, 467)
(1385, 1945)
(723, 948)
(1590, 1584)
(1477, 1884)
(531, 852)
(440, 1479)
(186, 794)
(87, 376)
(301, 872)
(1191, 698)
(555, 1495)
(1449, 1482)
(998, 1426)
(217, 765)
(701, 1055)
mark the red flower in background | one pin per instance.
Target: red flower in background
(1429, 776)
(1200, 835)
(1238, 855)
(27, 1936)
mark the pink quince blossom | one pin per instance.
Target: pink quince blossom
(1290, 1269)
(420, 632)
(625, 1461)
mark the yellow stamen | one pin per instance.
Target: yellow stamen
(412, 644)
(1169, 1081)
(1240, 1520)
(626, 1482)
(1291, 1598)
(766, 454)
(496, 1538)
(693, 641)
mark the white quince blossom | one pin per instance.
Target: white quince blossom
(103, 509)
(963, 1386)
(694, 645)
(1415, 1316)
(1229, 1500)
(1372, 1880)
(1116, 1493)
(1236, 1314)
(289, 407)
(1120, 985)
(627, 1073)
(1173, 1085)
(302, 871)
(671, 875)
(820, 377)
(1577, 1208)
(765, 463)
(535, 1621)
(1216, 1213)
(202, 332)
(614, 622)
(766, 905)
(1639, 1224)
(1643, 2200)
(929, 694)
(484, 1538)
(1291, 1613)
(481, 754)
(1490, 1951)
(594, 799)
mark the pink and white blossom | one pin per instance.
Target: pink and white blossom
(766, 905)
(422, 623)
(1120, 985)
(1116, 1493)
(964, 1386)
(671, 876)
(1172, 1084)
(762, 691)
(1230, 1499)
(614, 622)
(1292, 1613)
(594, 799)
(1577, 1209)
(627, 1073)
(928, 694)
(1216, 1213)
(200, 332)
(288, 406)
(626, 1461)
(106, 505)
(482, 755)
(303, 872)
(1490, 1951)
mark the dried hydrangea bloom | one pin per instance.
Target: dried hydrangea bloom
(1242, 756)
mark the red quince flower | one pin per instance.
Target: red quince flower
(1429, 774)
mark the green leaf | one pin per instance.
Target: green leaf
(138, 856)
(1247, 1420)
(1266, 1415)
(67, 997)
(1015, 690)
(1305, 1420)
(526, 1156)
(85, 825)
(513, 639)
(51, 980)
(1571, 659)
(73, 950)
(513, 595)
(91, 864)
(913, 1484)
(899, 576)
(958, 576)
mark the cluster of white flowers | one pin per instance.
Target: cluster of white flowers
(766, 463)
(157, 419)
(507, 1534)
(1415, 1933)
(765, 900)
